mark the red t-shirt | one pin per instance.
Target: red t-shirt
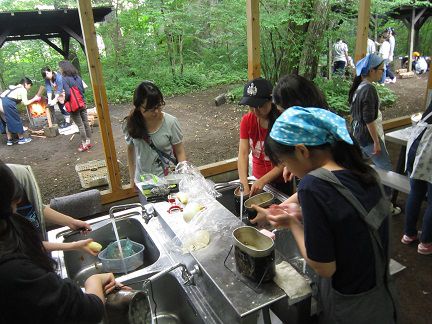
(256, 135)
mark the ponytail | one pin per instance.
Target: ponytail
(136, 125)
(355, 85)
(272, 116)
(351, 158)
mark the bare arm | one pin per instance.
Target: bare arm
(69, 246)
(131, 163)
(325, 270)
(180, 152)
(267, 178)
(54, 217)
(242, 163)
(100, 284)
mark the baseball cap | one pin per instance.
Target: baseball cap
(256, 93)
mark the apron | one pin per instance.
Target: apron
(377, 305)
(420, 168)
(12, 118)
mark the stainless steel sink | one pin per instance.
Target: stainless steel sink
(169, 301)
(80, 265)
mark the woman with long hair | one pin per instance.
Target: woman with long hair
(154, 138)
(254, 126)
(79, 117)
(27, 272)
(366, 115)
(10, 120)
(55, 94)
(340, 218)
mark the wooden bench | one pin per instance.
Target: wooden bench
(393, 180)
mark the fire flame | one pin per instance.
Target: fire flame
(37, 110)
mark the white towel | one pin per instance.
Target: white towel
(294, 284)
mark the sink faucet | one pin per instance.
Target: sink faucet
(188, 276)
(146, 211)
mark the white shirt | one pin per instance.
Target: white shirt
(371, 47)
(421, 65)
(392, 42)
(340, 50)
(385, 50)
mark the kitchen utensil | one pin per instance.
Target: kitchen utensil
(264, 199)
(254, 254)
(128, 306)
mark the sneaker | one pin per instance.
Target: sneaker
(89, 146)
(9, 143)
(409, 239)
(83, 148)
(393, 80)
(424, 248)
(24, 140)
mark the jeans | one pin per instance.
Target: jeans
(81, 120)
(418, 191)
(339, 67)
(381, 160)
(389, 72)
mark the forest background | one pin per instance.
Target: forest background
(189, 45)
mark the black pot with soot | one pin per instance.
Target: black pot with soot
(254, 254)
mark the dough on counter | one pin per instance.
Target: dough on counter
(191, 210)
(197, 241)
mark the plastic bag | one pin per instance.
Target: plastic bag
(113, 251)
(151, 185)
(194, 182)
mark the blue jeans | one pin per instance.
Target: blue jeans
(418, 191)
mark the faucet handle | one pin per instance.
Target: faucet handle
(188, 276)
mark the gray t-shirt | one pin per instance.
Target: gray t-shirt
(364, 110)
(147, 159)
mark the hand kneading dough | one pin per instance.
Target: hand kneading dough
(199, 240)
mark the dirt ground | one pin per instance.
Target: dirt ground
(211, 135)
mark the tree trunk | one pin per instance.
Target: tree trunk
(314, 39)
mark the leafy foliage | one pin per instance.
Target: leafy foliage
(190, 45)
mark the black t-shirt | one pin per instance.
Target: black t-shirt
(30, 294)
(335, 232)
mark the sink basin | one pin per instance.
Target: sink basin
(169, 301)
(80, 265)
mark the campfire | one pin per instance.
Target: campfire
(37, 109)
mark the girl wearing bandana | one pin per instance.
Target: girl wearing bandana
(339, 216)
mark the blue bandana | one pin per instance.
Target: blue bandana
(368, 62)
(309, 126)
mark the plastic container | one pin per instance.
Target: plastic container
(132, 262)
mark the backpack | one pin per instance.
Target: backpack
(76, 101)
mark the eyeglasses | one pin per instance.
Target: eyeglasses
(158, 106)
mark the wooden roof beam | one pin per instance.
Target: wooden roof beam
(54, 46)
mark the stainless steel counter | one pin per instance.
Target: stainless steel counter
(239, 292)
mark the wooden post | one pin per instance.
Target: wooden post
(362, 29)
(253, 39)
(411, 40)
(95, 69)
(429, 90)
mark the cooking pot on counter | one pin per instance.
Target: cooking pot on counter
(254, 254)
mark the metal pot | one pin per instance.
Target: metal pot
(245, 197)
(128, 307)
(264, 199)
(254, 254)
